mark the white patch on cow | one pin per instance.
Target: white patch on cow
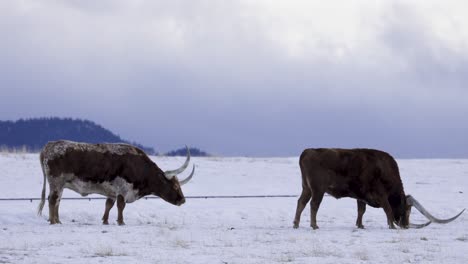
(112, 189)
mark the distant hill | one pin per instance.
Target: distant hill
(195, 152)
(33, 134)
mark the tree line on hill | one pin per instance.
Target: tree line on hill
(32, 134)
(183, 152)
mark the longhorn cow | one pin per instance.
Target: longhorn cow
(121, 172)
(370, 176)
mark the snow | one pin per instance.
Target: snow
(248, 230)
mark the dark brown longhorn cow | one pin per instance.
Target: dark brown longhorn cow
(121, 172)
(370, 176)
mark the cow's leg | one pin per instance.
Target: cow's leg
(52, 200)
(56, 185)
(317, 197)
(109, 204)
(389, 212)
(57, 205)
(301, 204)
(120, 208)
(53, 207)
(361, 206)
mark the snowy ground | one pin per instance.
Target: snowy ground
(253, 230)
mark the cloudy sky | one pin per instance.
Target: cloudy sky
(256, 78)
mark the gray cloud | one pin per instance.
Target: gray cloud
(237, 78)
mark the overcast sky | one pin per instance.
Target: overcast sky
(256, 78)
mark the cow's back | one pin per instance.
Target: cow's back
(95, 162)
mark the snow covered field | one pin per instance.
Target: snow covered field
(249, 230)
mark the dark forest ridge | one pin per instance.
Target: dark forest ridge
(34, 133)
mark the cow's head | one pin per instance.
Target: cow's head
(401, 210)
(171, 192)
(404, 222)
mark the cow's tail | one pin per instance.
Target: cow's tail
(41, 204)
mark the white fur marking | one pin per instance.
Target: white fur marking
(111, 189)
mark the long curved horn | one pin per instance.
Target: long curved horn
(411, 201)
(171, 173)
(411, 225)
(184, 181)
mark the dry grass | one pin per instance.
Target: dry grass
(4, 150)
(107, 251)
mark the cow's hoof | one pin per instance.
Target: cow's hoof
(120, 223)
(295, 224)
(315, 227)
(360, 226)
(105, 222)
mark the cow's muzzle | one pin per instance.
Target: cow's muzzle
(181, 202)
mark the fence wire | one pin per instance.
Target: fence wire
(155, 197)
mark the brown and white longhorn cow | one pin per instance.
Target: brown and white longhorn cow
(370, 176)
(118, 171)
